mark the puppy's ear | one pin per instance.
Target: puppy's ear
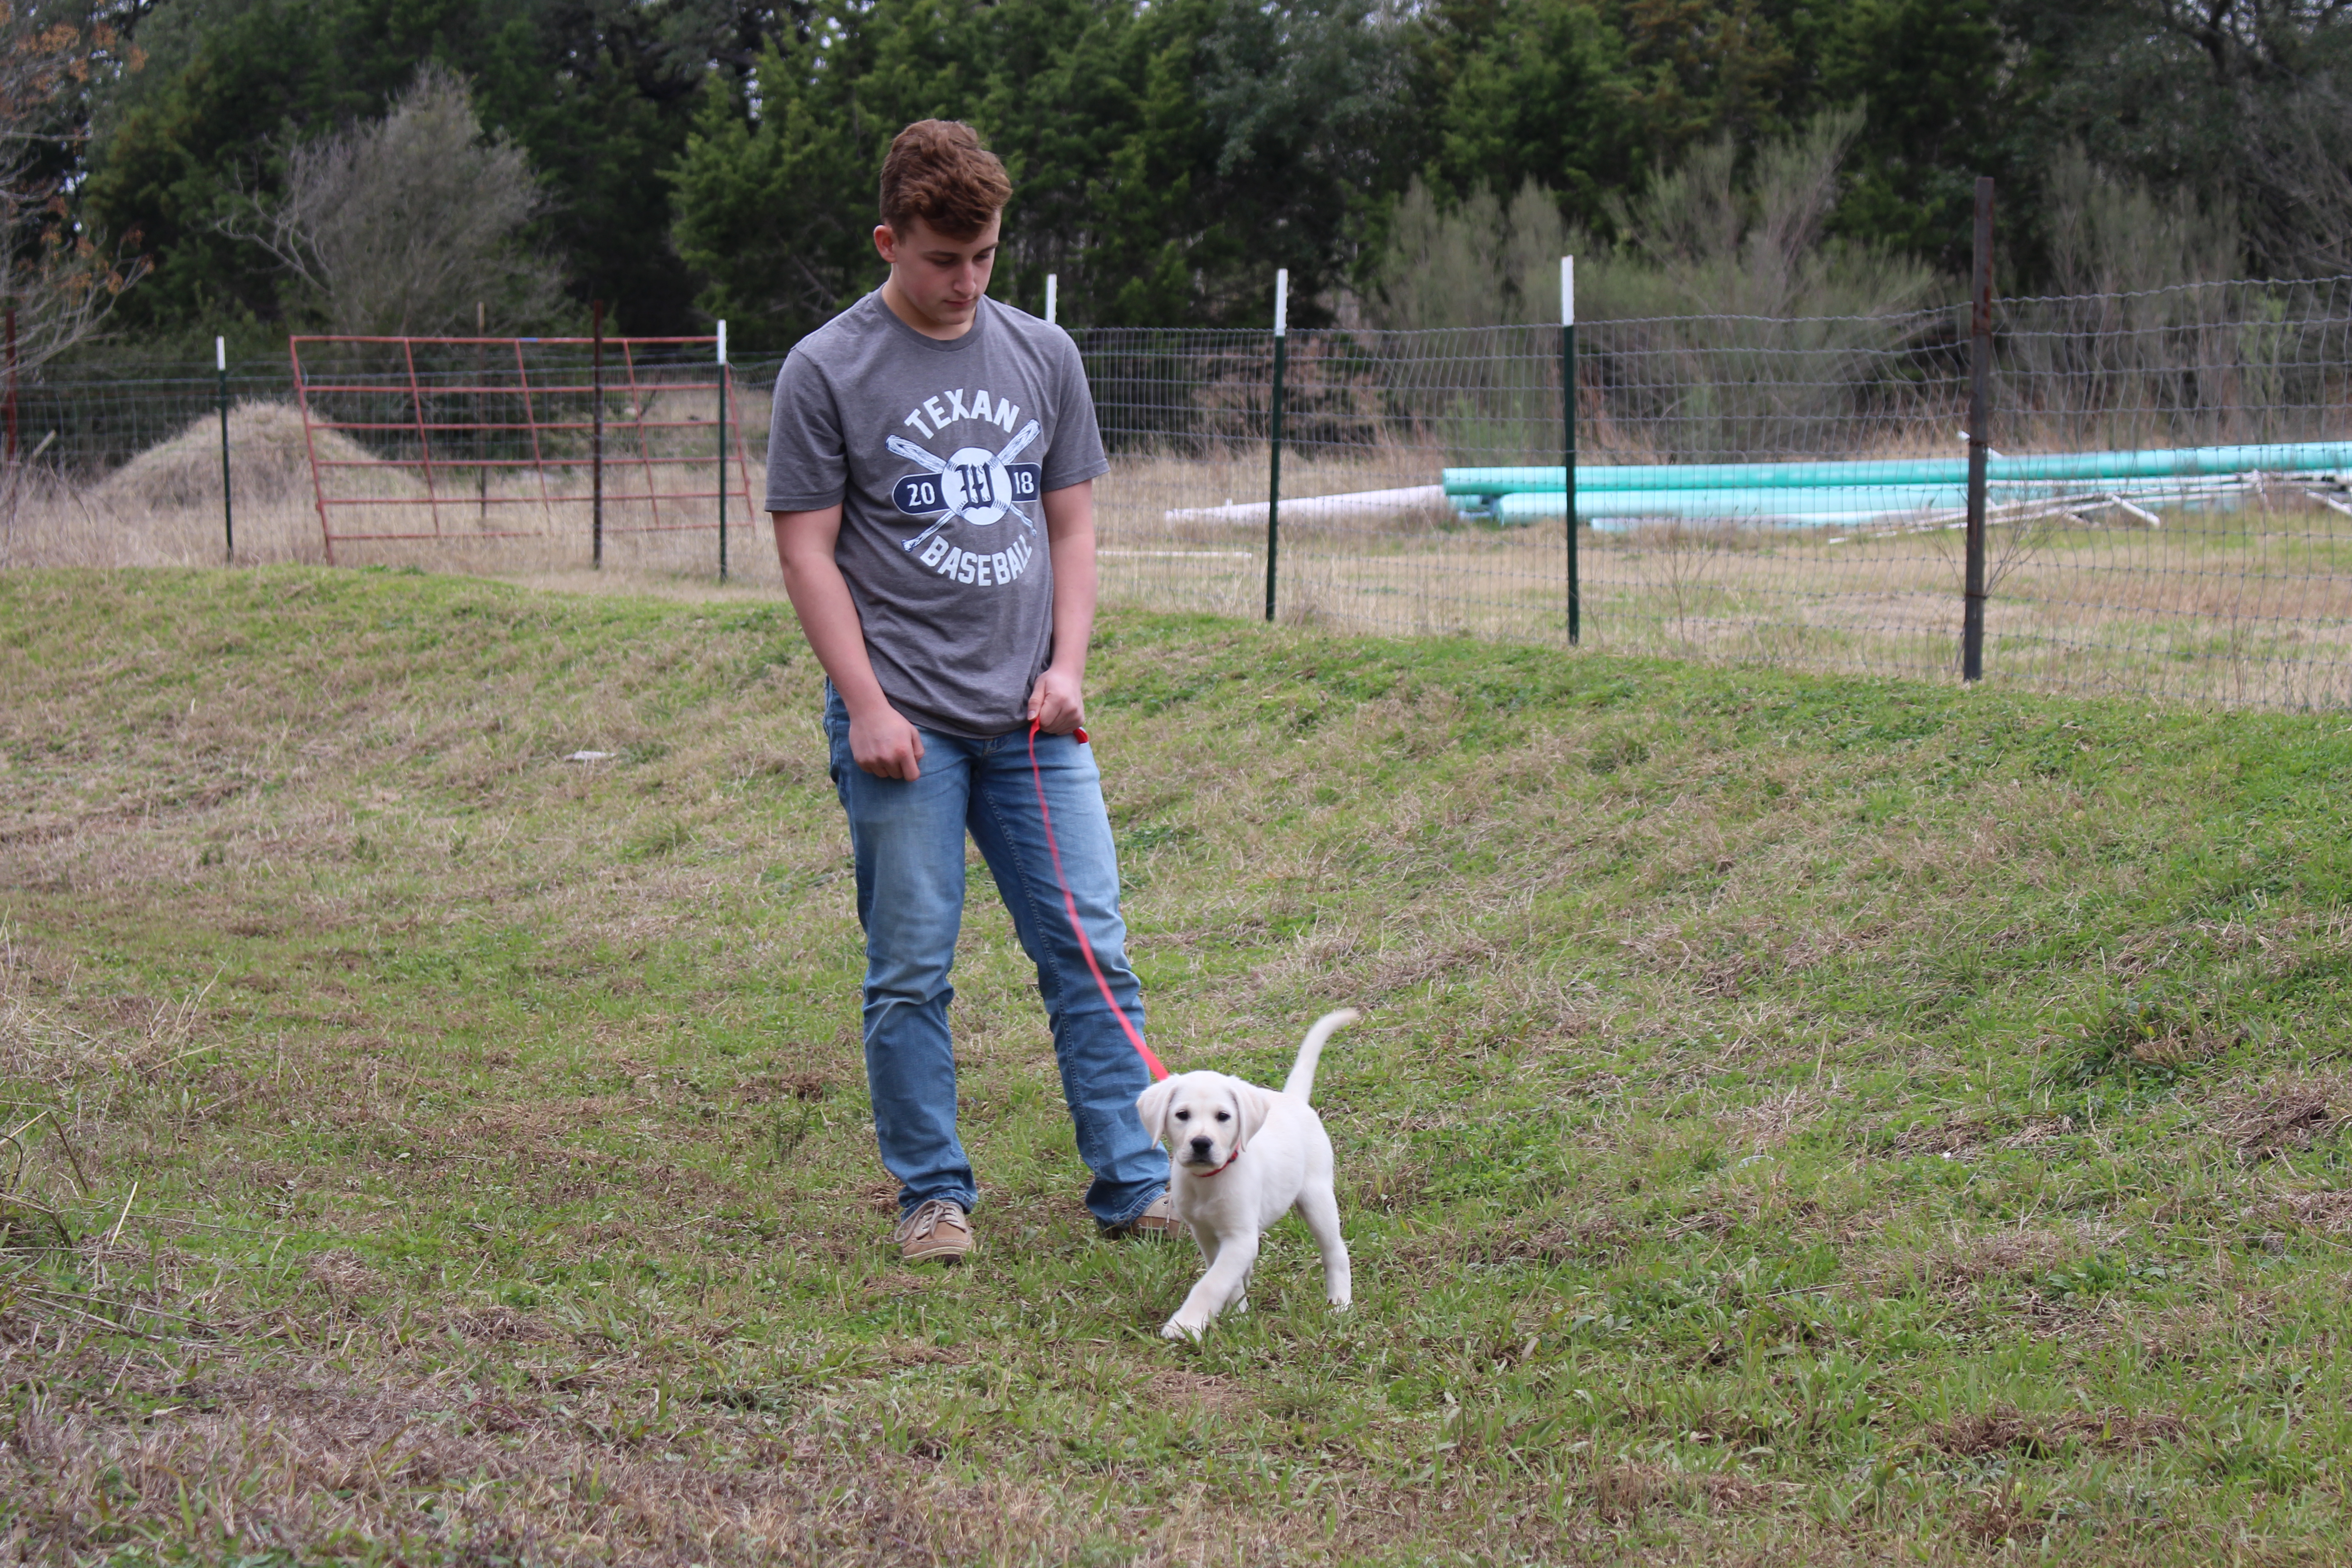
(1152, 1106)
(1255, 1103)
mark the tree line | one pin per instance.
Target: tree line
(183, 167)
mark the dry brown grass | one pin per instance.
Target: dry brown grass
(1960, 1264)
(164, 509)
(305, 1454)
(2000, 1431)
(2251, 607)
(2263, 1125)
(437, 1469)
(2243, 608)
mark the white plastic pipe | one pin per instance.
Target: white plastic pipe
(1053, 294)
(722, 343)
(1568, 290)
(220, 353)
(1354, 503)
(1281, 301)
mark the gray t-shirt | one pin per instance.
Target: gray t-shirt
(939, 453)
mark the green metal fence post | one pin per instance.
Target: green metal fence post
(1567, 432)
(596, 441)
(1972, 602)
(1274, 475)
(228, 507)
(722, 451)
(481, 379)
(12, 394)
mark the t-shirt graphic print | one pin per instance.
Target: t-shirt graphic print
(971, 485)
(939, 454)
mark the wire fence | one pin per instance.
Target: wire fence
(2166, 506)
(2165, 497)
(1367, 538)
(83, 426)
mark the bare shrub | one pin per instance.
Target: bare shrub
(1480, 264)
(2300, 200)
(2110, 236)
(2146, 343)
(1681, 559)
(62, 280)
(401, 227)
(1756, 332)
(1731, 321)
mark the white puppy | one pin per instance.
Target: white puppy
(1240, 1158)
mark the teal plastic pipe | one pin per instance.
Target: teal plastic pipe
(2300, 457)
(1852, 504)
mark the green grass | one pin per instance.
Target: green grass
(1796, 1121)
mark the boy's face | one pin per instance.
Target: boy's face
(938, 279)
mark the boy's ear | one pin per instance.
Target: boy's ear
(1152, 1106)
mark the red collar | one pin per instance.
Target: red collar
(1229, 1160)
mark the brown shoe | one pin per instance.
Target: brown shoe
(1155, 1223)
(937, 1229)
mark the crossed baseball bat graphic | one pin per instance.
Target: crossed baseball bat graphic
(914, 454)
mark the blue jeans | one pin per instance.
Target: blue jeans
(907, 840)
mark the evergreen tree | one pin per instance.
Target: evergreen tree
(719, 157)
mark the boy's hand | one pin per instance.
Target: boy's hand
(1057, 704)
(886, 745)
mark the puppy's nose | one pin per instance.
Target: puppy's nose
(1202, 1145)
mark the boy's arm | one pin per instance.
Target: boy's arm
(1059, 702)
(881, 739)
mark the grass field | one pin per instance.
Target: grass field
(1797, 1120)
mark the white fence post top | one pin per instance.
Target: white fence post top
(1281, 301)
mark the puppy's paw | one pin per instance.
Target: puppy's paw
(1178, 1328)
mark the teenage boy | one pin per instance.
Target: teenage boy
(930, 471)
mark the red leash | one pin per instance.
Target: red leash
(1071, 905)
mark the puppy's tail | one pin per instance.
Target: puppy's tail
(1301, 1081)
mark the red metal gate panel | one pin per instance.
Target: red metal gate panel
(464, 439)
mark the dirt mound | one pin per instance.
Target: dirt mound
(268, 462)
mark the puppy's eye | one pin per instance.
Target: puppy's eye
(1224, 1116)
(1184, 1116)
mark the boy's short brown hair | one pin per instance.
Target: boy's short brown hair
(938, 171)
